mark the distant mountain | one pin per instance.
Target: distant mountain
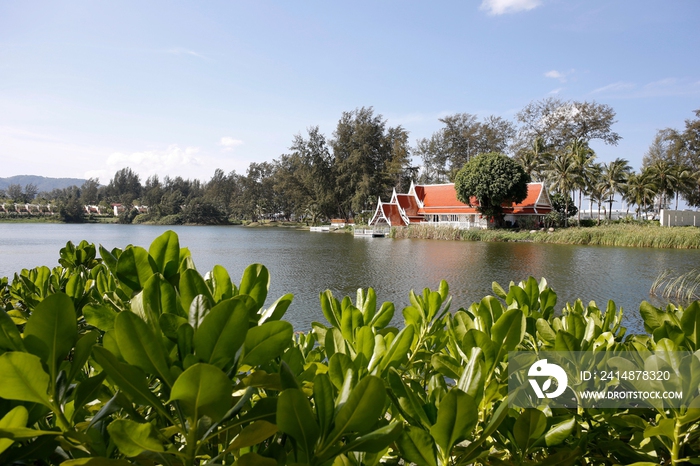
(42, 183)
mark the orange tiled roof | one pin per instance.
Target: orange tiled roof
(442, 198)
(392, 214)
(408, 204)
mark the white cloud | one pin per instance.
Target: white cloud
(229, 143)
(501, 7)
(151, 162)
(560, 75)
(182, 51)
(614, 87)
(556, 91)
(661, 88)
(662, 83)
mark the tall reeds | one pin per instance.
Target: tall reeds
(648, 236)
(682, 288)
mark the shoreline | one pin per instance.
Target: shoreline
(621, 235)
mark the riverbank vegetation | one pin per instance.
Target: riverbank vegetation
(614, 234)
(134, 357)
(342, 175)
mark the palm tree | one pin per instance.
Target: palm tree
(535, 158)
(664, 173)
(640, 190)
(614, 176)
(583, 157)
(684, 180)
(562, 175)
(597, 195)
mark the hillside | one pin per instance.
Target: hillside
(42, 183)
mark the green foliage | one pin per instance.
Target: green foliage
(490, 180)
(614, 234)
(135, 358)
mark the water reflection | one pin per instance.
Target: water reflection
(306, 263)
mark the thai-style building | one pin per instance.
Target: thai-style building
(437, 204)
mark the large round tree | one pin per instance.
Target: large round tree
(492, 179)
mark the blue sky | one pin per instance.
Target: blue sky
(183, 88)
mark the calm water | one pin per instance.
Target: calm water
(306, 263)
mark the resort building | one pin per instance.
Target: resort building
(437, 204)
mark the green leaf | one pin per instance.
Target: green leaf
(10, 338)
(203, 390)
(165, 251)
(52, 330)
(169, 323)
(508, 331)
(559, 432)
(330, 308)
(101, 317)
(690, 323)
(128, 378)
(545, 331)
(191, 285)
(96, 461)
(134, 267)
(223, 331)
(665, 428)
(368, 306)
(140, 346)
(252, 434)
(364, 406)
(277, 309)
(457, 416)
(82, 351)
(338, 366)
(88, 390)
(564, 341)
(17, 417)
(23, 378)
(498, 290)
(253, 459)
(133, 438)
(398, 350)
(158, 297)
(295, 418)
(221, 283)
(199, 308)
(382, 318)
(109, 259)
(529, 427)
(351, 318)
(255, 283)
(324, 401)
(409, 402)
(417, 446)
(376, 440)
(267, 341)
(471, 381)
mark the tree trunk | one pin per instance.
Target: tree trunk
(579, 207)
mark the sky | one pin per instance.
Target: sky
(183, 88)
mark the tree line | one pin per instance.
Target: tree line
(343, 175)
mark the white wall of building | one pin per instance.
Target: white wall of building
(679, 218)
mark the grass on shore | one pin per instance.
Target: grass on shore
(629, 235)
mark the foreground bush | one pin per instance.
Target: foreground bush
(136, 358)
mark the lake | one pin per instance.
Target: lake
(305, 263)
